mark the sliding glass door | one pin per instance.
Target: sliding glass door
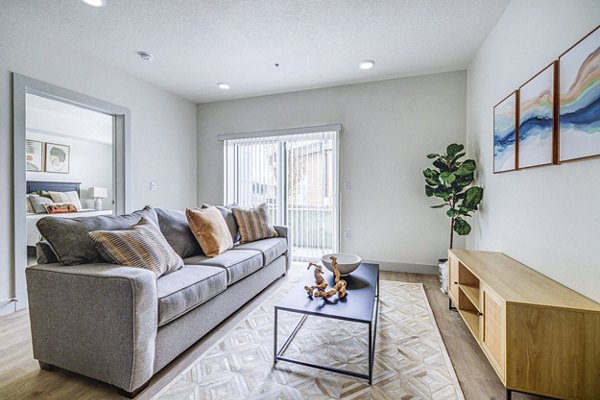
(297, 177)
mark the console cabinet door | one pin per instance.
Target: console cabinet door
(453, 278)
(493, 330)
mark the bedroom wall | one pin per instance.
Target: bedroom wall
(388, 128)
(163, 126)
(545, 217)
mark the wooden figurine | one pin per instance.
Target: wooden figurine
(334, 266)
(318, 273)
(318, 290)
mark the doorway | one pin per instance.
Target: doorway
(70, 160)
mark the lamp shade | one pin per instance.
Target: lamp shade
(99, 192)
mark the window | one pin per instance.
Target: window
(296, 175)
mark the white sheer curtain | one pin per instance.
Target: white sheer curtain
(297, 176)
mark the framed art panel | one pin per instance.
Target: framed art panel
(505, 134)
(536, 120)
(57, 158)
(579, 109)
(34, 155)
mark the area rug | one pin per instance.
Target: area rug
(411, 361)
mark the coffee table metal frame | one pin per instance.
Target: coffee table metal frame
(372, 326)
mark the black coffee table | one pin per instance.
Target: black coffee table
(361, 305)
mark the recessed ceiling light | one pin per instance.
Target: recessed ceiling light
(223, 85)
(367, 64)
(145, 56)
(95, 3)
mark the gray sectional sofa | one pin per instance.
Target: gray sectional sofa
(121, 324)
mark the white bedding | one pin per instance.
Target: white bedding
(33, 235)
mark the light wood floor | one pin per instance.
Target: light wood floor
(21, 378)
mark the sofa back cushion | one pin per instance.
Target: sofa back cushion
(210, 229)
(176, 229)
(141, 246)
(69, 238)
(254, 223)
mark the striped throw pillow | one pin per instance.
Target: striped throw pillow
(254, 224)
(141, 246)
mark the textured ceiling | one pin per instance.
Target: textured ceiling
(317, 43)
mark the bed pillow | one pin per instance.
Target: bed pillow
(60, 208)
(229, 219)
(28, 206)
(255, 223)
(142, 246)
(38, 203)
(210, 229)
(66, 197)
(69, 238)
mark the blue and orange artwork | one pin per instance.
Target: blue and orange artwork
(536, 125)
(505, 114)
(580, 99)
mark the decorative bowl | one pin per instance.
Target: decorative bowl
(346, 262)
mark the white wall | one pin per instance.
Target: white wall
(547, 217)
(389, 127)
(163, 126)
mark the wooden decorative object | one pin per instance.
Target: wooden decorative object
(319, 289)
(318, 273)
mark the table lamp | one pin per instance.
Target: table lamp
(98, 193)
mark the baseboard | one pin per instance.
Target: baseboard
(406, 267)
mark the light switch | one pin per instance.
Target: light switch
(152, 186)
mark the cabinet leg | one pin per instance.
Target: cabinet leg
(508, 394)
(450, 307)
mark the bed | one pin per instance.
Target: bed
(33, 235)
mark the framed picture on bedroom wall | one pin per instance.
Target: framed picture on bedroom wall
(57, 158)
(34, 155)
(579, 99)
(536, 144)
(505, 134)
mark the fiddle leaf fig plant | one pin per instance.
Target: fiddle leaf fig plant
(451, 180)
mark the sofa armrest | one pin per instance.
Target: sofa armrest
(99, 320)
(283, 231)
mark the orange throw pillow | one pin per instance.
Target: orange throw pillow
(210, 230)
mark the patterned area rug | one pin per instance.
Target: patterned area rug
(411, 361)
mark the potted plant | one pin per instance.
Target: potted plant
(451, 180)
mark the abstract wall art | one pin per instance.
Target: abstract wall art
(57, 158)
(505, 134)
(579, 109)
(33, 155)
(536, 120)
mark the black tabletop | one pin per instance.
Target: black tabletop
(357, 305)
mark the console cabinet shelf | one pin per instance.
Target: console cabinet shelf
(539, 336)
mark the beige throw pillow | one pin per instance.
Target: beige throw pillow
(254, 224)
(210, 229)
(66, 197)
(141, 246)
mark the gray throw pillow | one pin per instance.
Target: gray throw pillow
(176, 230)
(69, 238)
(38, 202)
(230, 219)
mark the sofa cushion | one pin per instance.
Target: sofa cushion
(238, 264)
(254, 223)
(270, 248)
(183, 290)
(140, 246)
(69, 236)
(227, 213)
(176, 229)
(210, 229)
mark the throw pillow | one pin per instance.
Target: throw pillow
(175, 227)
(210, 229)
(38, 202)
(66, 197)
(141, 246)
(28, 205)
(254, 223)
(69, 238)
(229, 218)
(60, 208)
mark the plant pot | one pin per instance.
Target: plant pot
(443, 266)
